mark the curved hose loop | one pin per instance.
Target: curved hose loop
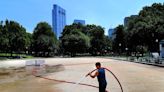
(112, 74)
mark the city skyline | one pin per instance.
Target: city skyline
(108, 13)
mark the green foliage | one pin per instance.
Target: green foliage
(96, 33)
(145, 29)
(17, 36)
(29, 43)
(119, 43)
(73, 40)
(77, 38)
(107, 43)
(44, 40)
(4, 41)
(13, 37)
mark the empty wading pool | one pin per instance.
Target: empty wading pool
(14, 73)
(40, 68)
(35, 63)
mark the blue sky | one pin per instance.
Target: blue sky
(107, 13)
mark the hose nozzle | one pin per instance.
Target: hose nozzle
(87, 74)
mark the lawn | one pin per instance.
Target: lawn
(4, 56)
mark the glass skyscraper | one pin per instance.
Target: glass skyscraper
(110, 33)
(58, 20)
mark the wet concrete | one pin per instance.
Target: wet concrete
(29, 85)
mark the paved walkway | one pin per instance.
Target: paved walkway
(133, 76)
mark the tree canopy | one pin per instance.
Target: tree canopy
(13, 37)
(144, 30)
(44, 40)
(77, 38)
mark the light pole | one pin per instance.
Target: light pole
(120, 48)
(156, 40)
(156, 45)
(157, 49)
(126, 52)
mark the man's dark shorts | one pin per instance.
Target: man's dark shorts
(102, 87)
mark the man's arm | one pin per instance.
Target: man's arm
(95, 75)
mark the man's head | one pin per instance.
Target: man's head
(98, 65)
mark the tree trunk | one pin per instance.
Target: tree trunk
(11, 53)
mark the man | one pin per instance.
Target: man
(100, 74)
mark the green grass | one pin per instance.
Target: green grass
(4, 56)
(8, 54)
(28, 57)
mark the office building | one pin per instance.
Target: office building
(58, 20)
(126, 19)
(79, 21)
(110, 33)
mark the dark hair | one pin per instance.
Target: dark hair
(98, 64)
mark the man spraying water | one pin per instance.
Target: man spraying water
(100, 74)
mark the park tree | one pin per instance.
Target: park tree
(136, 36)
(96, 34)
(74, 41)
(146, 29)
(153, 16)
(119, 43)
(14, 37)
(4, 41)
(107, 44)
(90, 38)
(29, 40)
(68, 29)
(44, 40)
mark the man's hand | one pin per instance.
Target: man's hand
(92, 76)
(95, 75)
(88, 74)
